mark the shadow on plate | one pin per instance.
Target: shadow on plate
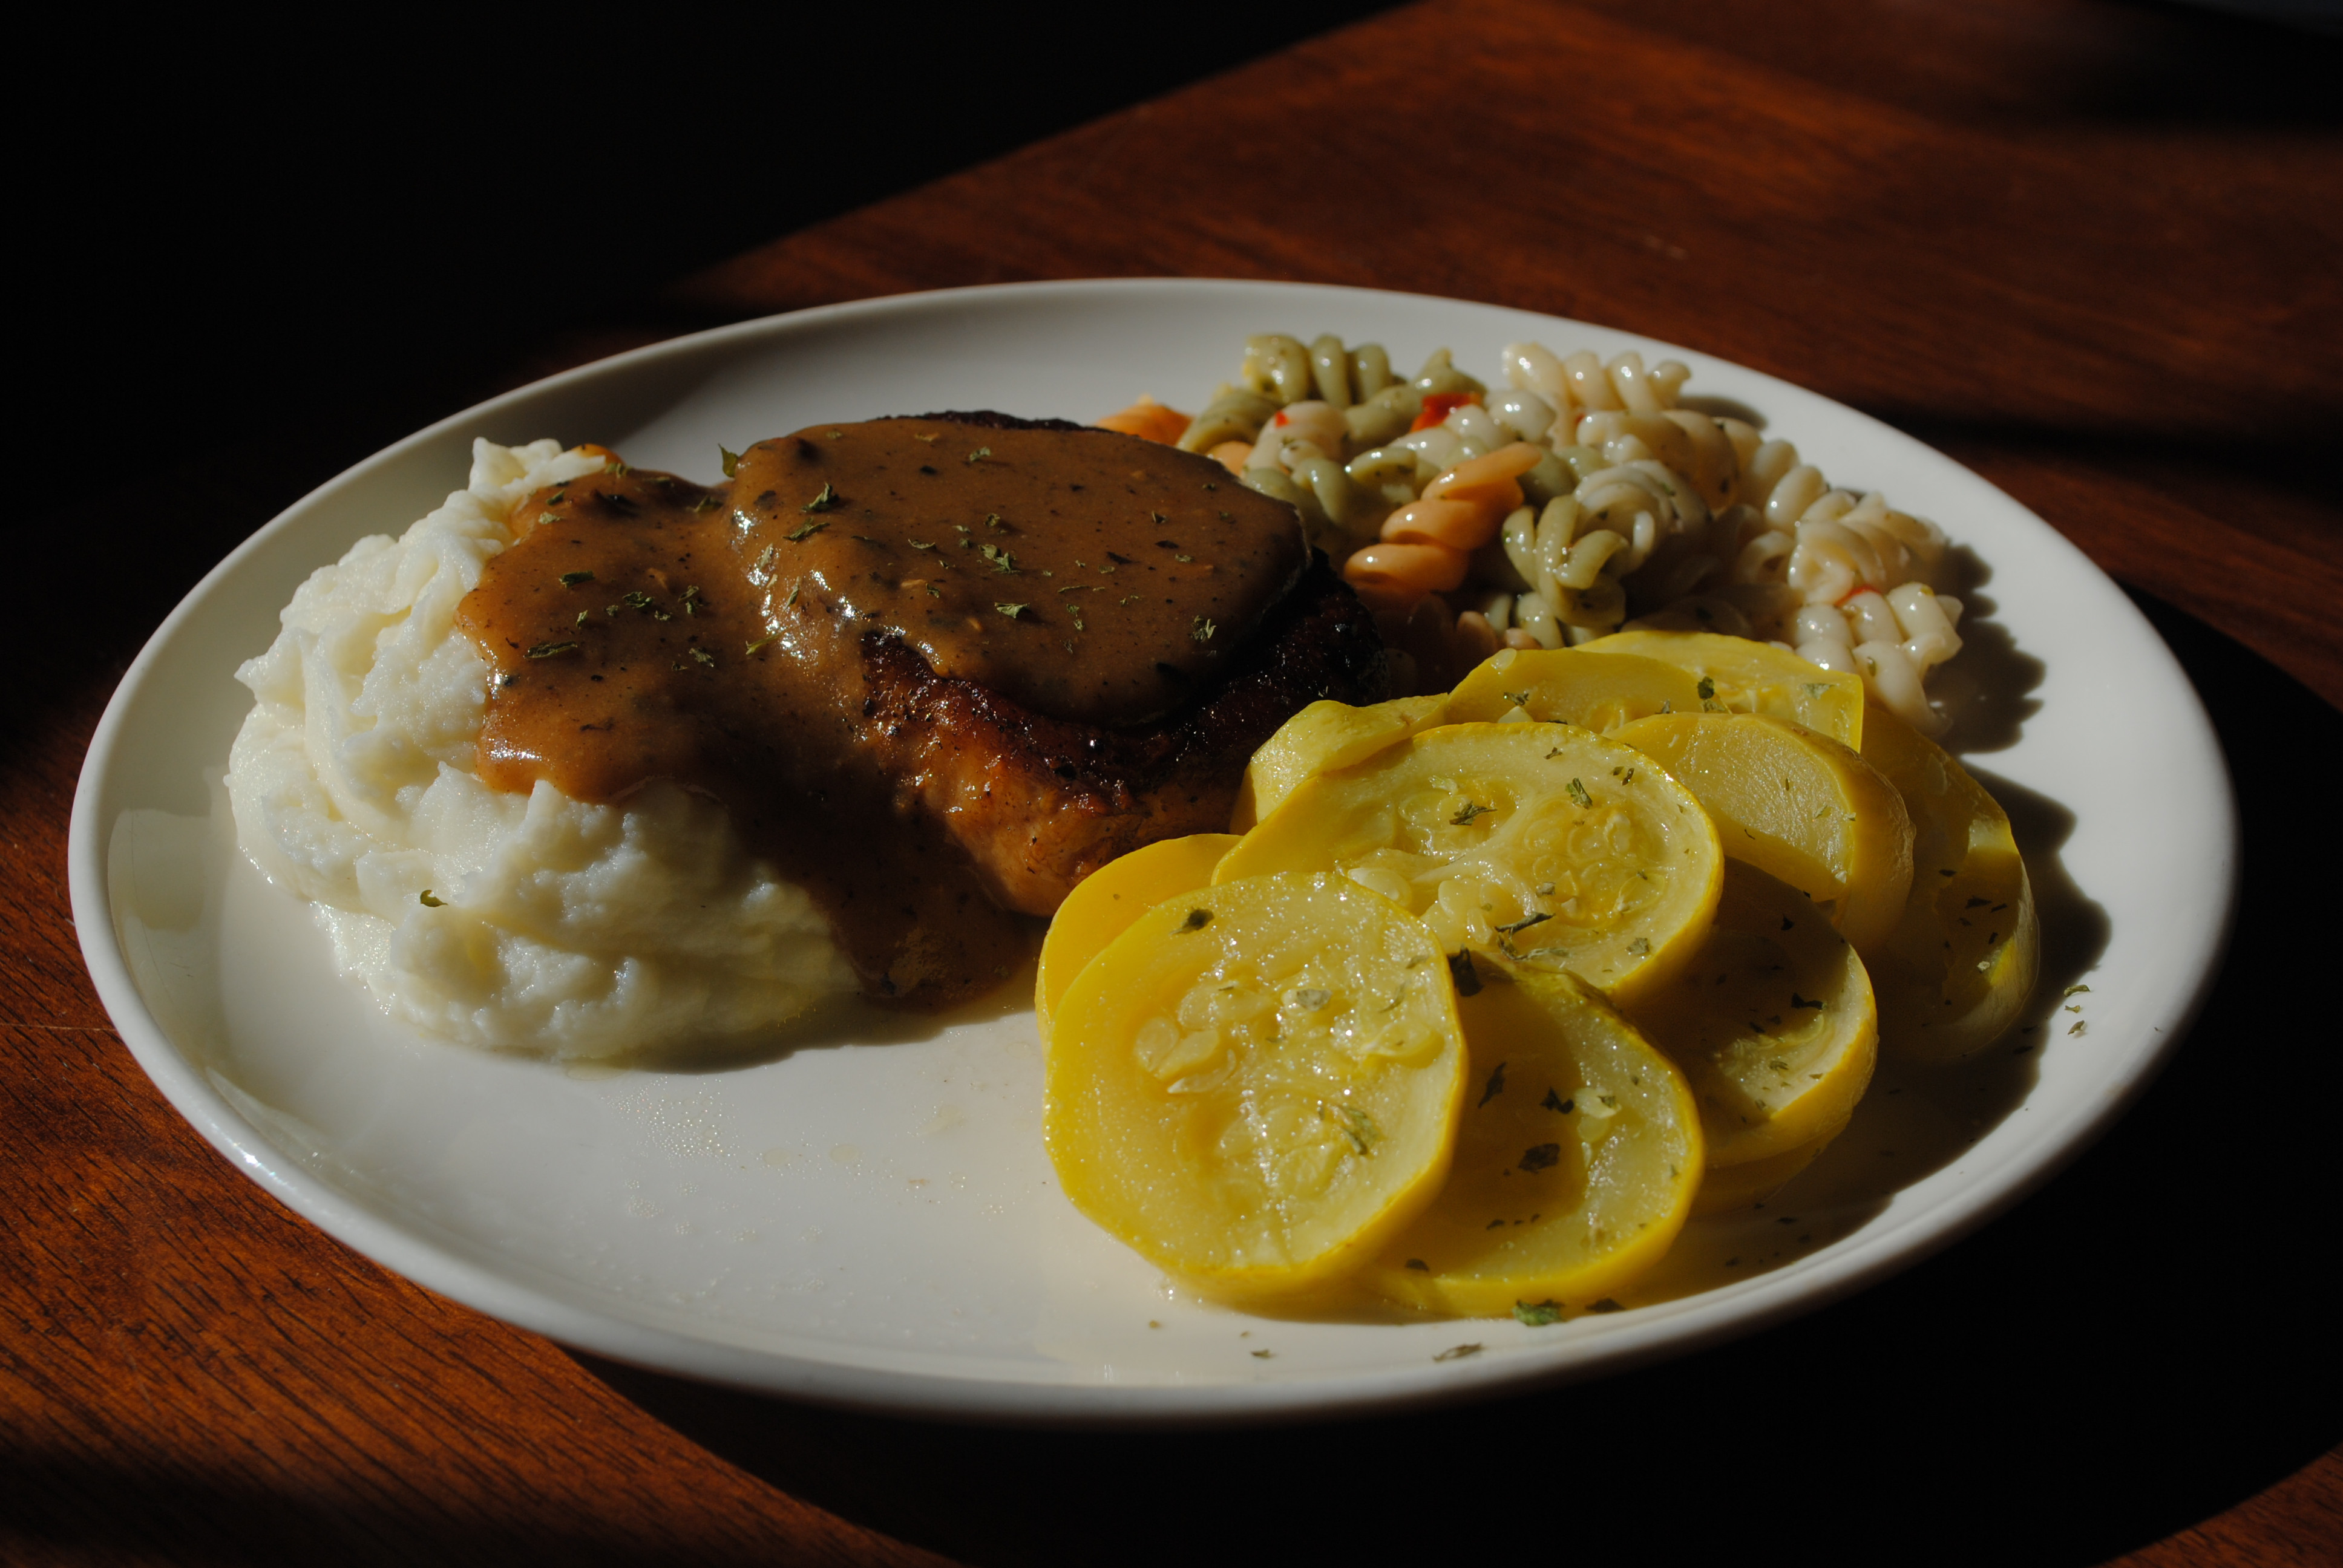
(1987, 691)
(841, 1020)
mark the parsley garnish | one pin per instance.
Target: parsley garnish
(430, 901)
(1196, 921)
(1012, 610)
(572, 579)
(1537, 1314)
(807, 531)
(1002, 562)
(823, 502)
(980, 452)
(1707, 688)
(1201, 629)
(1541, 1157)
(731, 460)
(1525, 922)
(1579, 796)
(1460, 970)
(1468, 812)
(1458, 1352)
(702, 655)
(550, 650)
(1357, 1125)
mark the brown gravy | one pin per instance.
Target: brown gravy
(643, 626)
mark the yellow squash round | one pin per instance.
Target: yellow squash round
(1546, 842)
(1256, 1085)
(1797, 805)
(1773, 1023)
(1104, 904)
(1576, 1162)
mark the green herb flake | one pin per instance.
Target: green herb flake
(731, 460)
(806, 532)
(1263, 1355)
(1196, 921)
(552, 650)
(919, 544)
(761, 642)
(1201, 629)
(1458, 1352)
(1537, 1314)
(704, 657)
(432, 900)
(2075, 989)
(1012, 610)
(1707, 688)
(575, 579)
(1002, 562)
(1641, 947)
(1460, 970)
(1525, 922)
(1579, 796)
(1541, 1157)
(1467, 812)
(1357, 1125)
(823, 502)
(979, 454)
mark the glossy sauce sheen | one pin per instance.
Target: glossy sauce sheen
(643, 626)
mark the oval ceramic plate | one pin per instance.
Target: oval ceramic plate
(864, 1215)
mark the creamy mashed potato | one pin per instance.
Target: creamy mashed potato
(562, 929)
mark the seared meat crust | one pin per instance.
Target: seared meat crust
(1039, 803)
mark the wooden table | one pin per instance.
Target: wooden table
(2093, 250)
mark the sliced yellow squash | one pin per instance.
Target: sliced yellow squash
(1730, 1187)
(1323, 736)
(1576, 1162)
(1965, 956)
(1104, 904)
(1797, 805)
(1598, 691)
(1545, 841)
(1746, 677)
(1773, 1023)
(1256, 1085)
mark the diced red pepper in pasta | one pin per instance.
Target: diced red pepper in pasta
(1439, 405)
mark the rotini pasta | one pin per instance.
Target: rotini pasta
(1576, 499)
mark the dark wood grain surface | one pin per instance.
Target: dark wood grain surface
(2094, 251)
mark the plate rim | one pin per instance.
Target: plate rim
(1635, 1340)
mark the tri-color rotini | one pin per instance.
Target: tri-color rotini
(1577, 499)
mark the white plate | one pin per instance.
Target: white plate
(869, 1219)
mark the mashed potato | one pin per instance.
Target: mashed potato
(534, 923)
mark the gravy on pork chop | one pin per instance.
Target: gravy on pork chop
(940, 669)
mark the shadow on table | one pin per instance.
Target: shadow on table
(2135, 1349)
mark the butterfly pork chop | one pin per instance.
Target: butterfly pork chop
(939, 668)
